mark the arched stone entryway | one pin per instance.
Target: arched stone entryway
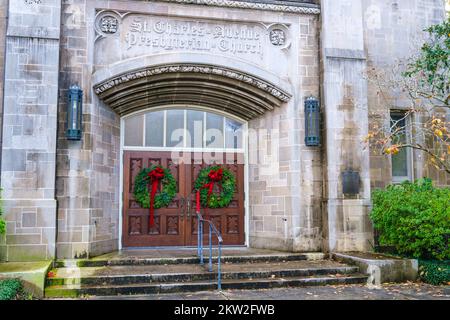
(234, 87)
(161, 87)
(183, 139)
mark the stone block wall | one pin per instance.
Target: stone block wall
(29, 129)
(393, 31)
(3, 22)
(74, 158)
(88, 216)
(308, 222)
(296, 199)
(285, 176)
(88, 170)
(344, 96)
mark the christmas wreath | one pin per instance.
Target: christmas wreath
(152, 177)
(210, 177)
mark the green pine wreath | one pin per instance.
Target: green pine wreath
(227, 187)
(141, 188)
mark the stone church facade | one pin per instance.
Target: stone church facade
(143, 67)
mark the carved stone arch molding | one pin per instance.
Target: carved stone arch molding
(243, 90)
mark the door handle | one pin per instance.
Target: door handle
(182, 207)
(188, 207)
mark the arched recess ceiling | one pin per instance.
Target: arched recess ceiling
(217, 87)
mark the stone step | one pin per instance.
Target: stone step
(119, 275)
(76, 290)
(192, 259)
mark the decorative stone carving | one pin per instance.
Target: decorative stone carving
(186, 68)
(277, 37)
(252, 5)
(109, 24)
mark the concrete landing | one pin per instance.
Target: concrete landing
(186, 255)
(409, 291)
(172, 270)
(32, 274)
(192, 252)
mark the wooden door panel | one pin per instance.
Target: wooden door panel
(174, 225)
(169, 222)
(229, 221)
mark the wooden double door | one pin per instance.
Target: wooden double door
(176, 225)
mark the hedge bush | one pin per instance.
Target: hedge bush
(414, 218)
(2, 226)
(10, 289)
(434, 272)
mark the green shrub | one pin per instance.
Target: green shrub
(434, 272)
(414, 218)
(10, 289)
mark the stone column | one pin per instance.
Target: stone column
(3, 20)
(346, 124)
(29, 129)
(88, 170)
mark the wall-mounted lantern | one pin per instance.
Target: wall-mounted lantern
(74, 113)
(350, 182)
(312, 122)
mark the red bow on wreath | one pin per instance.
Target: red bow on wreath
(214, 176)
(155, 176)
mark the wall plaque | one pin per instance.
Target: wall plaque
(161, 34)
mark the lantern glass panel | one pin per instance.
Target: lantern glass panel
(74, 113)
(312, 122)
(80, 111)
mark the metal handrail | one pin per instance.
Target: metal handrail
(212, 228)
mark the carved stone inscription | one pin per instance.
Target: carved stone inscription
(162, 34)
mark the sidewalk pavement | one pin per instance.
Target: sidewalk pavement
(406, 291)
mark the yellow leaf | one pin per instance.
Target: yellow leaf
(439, 133)
(394, 150)
(437, 121)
